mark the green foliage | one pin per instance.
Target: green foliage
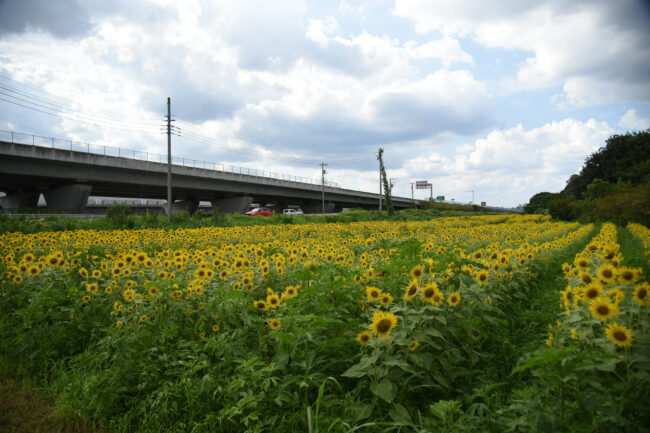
(625, 157)
(120, 215)
(539, 203)
(388, 201)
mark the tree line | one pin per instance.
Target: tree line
(613, 185)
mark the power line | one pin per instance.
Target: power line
(58, 113)
(65, 103)
(63, 108)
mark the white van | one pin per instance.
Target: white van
(293, 211)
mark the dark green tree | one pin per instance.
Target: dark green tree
(540, 202)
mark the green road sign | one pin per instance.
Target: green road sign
(440, 197)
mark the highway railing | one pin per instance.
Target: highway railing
(99, 149)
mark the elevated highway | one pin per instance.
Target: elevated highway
(67, 176)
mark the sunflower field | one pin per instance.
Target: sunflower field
(473, 324)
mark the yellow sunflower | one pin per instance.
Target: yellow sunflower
(581, 262)
(411, 290)
(428, 292)
(482, 277)
(383, 323)
(617, 294)
(592, 291)
(628, 275)
(413, 345)
(417, 271)
(260, 305)
(364, 337)
(373, 293)
(603, 309)
(619, 335)
(607, 273)
(454, 299)
(641, 293)
(273, 300)
(386, 298)
(274, 324)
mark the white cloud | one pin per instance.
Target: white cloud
(447, 50)
(632, 121)
(508, 166)
(599, 50)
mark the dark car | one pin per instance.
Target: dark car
(264, 211)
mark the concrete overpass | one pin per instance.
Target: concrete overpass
(66, 176)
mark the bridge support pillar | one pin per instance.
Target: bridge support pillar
(68, 198)
(190, 205)
(232, 204)
(20, 200)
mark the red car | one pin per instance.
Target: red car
(264, 211)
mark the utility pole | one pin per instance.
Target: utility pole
(169, 158)
(412, 190)
(381, 193)
(323, 171)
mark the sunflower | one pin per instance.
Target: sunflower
(97, 273)
(581, 262)
(619, 335)
(274, 324)
(627, 275)
(454, 299)
(413, 345)
(617, 294)
(273, 300)
(386, 298)
(574, 334)
(607, 273)
(641, 293)
(411, 290)
(482, 277)
(383, 323)
(416, 271)
(153, 291)
(261, 305)
(86, 298)
(428, 292)
(585, 277)
(364, 337)
(290, 292)
(373, 293)
(603, 309)
(566, 268)
(144, 318)
(215, 327)
(592, 291)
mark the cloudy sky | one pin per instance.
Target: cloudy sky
(504, 98)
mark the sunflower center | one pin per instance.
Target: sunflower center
(620, 336)
(412, 290)
(383, 326)
(642, 293)
(429, 293)
(591, 293)
(627, 276)
(607, 273)
(365, 338)
(603, 310)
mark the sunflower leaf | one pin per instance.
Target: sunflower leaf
(385, 389)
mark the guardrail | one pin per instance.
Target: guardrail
(98, 149)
